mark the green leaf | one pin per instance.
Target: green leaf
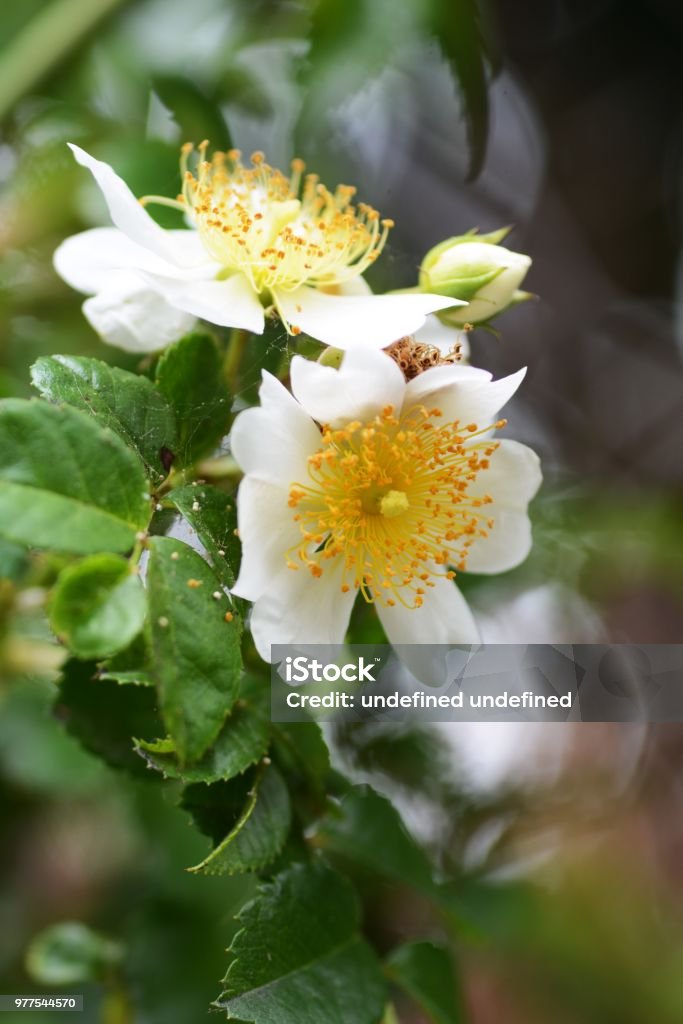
(195, 653)
(105, 717)
(70, 953)
(302, 753)
(258, 831)
(425, 972)
(240, 743)
(66, 483)
(129, 677)
(458, 26)
(369, 831)
(299, 958)
(13, 560)
(348, 45)
(126, 402)
(98, 606)
(189, 375)
(212, 513)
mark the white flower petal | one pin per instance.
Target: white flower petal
(444, 618)
(125, 210)
(300, 609)
(463, 393)
(189, 251)
(366, 382)
(444, 338)
(357, 321)
(267, 531)
(86, 260)
(355, 286)
(228, 303)
(512, 480)
(130, 316)
(273, 440)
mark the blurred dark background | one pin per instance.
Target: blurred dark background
(567, 840)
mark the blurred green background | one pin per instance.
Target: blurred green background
(567, 840)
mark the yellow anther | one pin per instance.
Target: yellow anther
(395, 502)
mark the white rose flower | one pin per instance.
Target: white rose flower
(361, 482)
(472, 268)
(257, 240)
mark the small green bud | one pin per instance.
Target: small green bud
(477, 270)
(331, 357)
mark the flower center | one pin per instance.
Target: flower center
(394, 500)
(280, 231)
(393, 503)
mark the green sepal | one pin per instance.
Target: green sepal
(464, 288)
(473, 235)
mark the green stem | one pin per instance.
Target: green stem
(222, 468)
(44, 42)
(233, 358)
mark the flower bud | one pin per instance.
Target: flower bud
(476, 269)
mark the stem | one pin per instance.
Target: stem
(222, 468)
(233, 358)
(44, 42)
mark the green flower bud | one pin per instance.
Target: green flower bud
(331, 357)
(476, 269)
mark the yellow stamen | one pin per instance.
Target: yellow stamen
(393, 503)
(281, 231)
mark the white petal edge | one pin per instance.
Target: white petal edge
(272, 440)
(512, 480)
(124, 209)
(86, 260)
(228, 303)
(267, 531)
(132, 317)
(463, 393)
(445, 618)
(366, 382)
(300, 609)
(357, 321)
